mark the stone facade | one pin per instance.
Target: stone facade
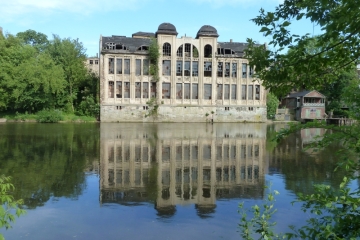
(92, 63)
(201, 79)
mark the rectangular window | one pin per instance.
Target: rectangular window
(207, 91)
(244, 70)
(118, 66)
(243, 92)
(179, 91)
(219, 91)
(111, 65)
(145, 90)
(220, 69)
(126, 89)
(126, 66)
(251, 72)
(111, 89)
(257, 92)
(194, 91)
(186, 90)
(153, 89)
(187, 68)
(234, 70)
(146, 66)
(227, 69)
(138, 67)
(179, 68)
(96, 62)
(166, 90)
(119, 89)
(207, 69)
(166, 68)
(195, 69)
(226, 91)
(233, 91)
(138, 90)
(250, 92)
(91, 61)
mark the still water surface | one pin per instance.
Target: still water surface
(154, 181)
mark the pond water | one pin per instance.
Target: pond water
(154, 181)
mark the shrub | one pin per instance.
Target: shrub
(49, 116)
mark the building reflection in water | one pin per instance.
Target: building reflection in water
(180, 164)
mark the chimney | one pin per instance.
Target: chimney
(230, 40)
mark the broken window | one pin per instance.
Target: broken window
(120, 46)
(220, 69)
(220, 51)
(126, 66)
(138, 90)
(138, 67)
(111, 89)
(233, 91)
(126, 89)
(96, 62)
(145, 90)
(227, 51)
(118, 66)
(186, 90)
(207, 69)
(179, 68)
(219, 91)
(227, 69)
(251, 71)
(111, 65)
(110, 45)
(244, 70)
(207, 91)
(226, 91)
(195, 52)
(166, 67)
(91, 61)
(250, 92)
(143, 48)
(243, 92)
(194, 91)
(146, 66)
(166, 90)
(187, 49)
(167, 49)
(119, 89)
(208, 51)
(179, 52)
(195, 66)
(179, 91)
(187, 68)
(153, 90)
(257, 92)
(234, 70)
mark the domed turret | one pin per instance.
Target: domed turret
(207, 31)
(166, 28)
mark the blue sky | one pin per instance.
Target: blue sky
(88, 19)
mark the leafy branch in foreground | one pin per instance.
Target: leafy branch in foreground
(8, 206)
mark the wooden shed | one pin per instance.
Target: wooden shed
(307, 105)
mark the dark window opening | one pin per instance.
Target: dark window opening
(244, 70)
(208, 51)
(195, 52)
(110, 45)
(153, 90)
(91, 61)
(179, 91)
(227, 51)
(145, 90)
(234, 70)
(179, 52)
(118, 66)
(220, 69)
(137, 90)
(187, 49)
(120, 47)
(187, 68)
(207, 69)
(195, 67)
(251, 92)
(111, 65)
(127, 66)
(143, 48)
(126, 89)
(138, 67)
(167, 49)
(257, 92)
(146, 66)
(179, 68)
(227, 69)
(96, 62)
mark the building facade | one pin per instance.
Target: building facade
(200, 79)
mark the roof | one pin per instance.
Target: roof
(207, 31)
(167, 29)
(237, 47)
(131, 44)
(304, 94)
(143, 34)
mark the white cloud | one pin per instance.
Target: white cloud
(11, 10)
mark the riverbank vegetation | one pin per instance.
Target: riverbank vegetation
(38, 74)
(334, 212)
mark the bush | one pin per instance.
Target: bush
(88, 107)
(272, 104)
(49, 116)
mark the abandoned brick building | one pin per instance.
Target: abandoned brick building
(200, 79)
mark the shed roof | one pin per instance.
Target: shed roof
(305, 93)
(132, 44)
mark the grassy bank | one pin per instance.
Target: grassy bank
(40, 117)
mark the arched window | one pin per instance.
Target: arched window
(179, 52)
(195, 52)
(167, 49)
(208, 51)
(187, 49)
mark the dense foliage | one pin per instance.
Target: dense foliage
(335, 212)
(37, 73)
(272, 103)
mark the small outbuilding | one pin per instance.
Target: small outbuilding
(306, 105)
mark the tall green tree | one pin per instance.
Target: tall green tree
(35, 39)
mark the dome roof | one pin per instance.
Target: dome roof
(207, 31)
(166, 28)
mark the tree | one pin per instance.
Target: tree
(33, 38)
(336, 212)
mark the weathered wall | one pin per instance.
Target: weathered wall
(110, 113)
